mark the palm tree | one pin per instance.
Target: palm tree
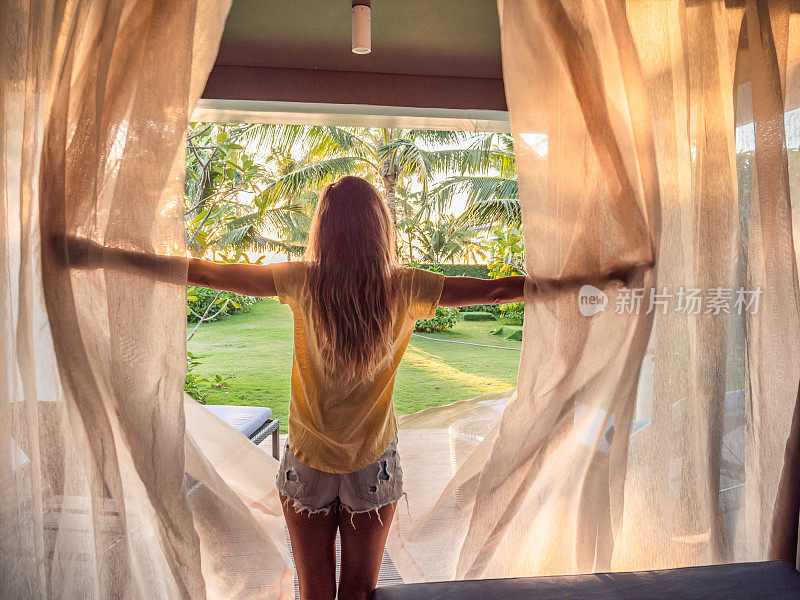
(488, 177)
(446, 240)
(388, 157)
(220, 177)
(485, 171)
(409, 209)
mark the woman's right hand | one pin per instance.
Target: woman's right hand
(74, 252)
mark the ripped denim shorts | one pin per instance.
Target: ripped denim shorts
(365, 490)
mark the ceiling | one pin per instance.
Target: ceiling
(299, 50)
(414, 37)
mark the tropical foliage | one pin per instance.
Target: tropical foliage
(198, 386)
(221, 189)
(507, 253)
(387, 157)
(488, 179)
(206, 305)
(252, 188)
(507, 259)
(445, 240)
(444, 320)
(226, 205)
(420, 173)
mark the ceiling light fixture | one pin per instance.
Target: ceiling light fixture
(362, 27)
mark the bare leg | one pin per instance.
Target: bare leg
(313, 546)
(362, 548)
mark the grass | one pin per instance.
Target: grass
(256, 349)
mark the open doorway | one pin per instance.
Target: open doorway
(250, 192)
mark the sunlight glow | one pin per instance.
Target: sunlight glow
(424, 360)
(536, 142)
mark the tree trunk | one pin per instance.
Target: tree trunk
(389, 183)
(389, 176)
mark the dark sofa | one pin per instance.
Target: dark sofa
(775, 580)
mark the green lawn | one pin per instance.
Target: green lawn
(256, 349)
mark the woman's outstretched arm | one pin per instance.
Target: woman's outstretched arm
(465, 291)
(253, 280)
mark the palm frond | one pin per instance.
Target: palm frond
(488, 154)
(489, 200)
(492, 212)
(293, 224)
(250, 239)
(485, 155)
(435, 137)
(404, 156)
(309, 177)
(281, 138)
(326, 141)
(506, 141)
(480, 188)
(446, 240)
(243, 234)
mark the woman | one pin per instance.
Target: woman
(354, 310)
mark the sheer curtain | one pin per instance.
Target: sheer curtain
(649, 431)
(111, 486)
(640, 436)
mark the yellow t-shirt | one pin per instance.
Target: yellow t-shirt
(342, 428)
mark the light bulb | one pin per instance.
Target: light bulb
(362, 29)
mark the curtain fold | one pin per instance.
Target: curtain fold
(649, 422)
(105, 491)
(580, 376)
(772, 265)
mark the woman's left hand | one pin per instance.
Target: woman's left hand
(81, 253)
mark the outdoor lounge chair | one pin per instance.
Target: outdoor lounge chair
(255, 422)
(775, 580)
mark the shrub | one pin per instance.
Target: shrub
(508, 259)
(444, 320)
(435, 268)
(479, 271)
(489, 308)
(227, 303)
(513, 313)
(198, 386)
(445, 317)
(508, 253)
(510, 332)
(478, 316)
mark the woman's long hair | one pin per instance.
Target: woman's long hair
(351, 251)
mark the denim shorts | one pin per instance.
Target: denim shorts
(365, 490)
